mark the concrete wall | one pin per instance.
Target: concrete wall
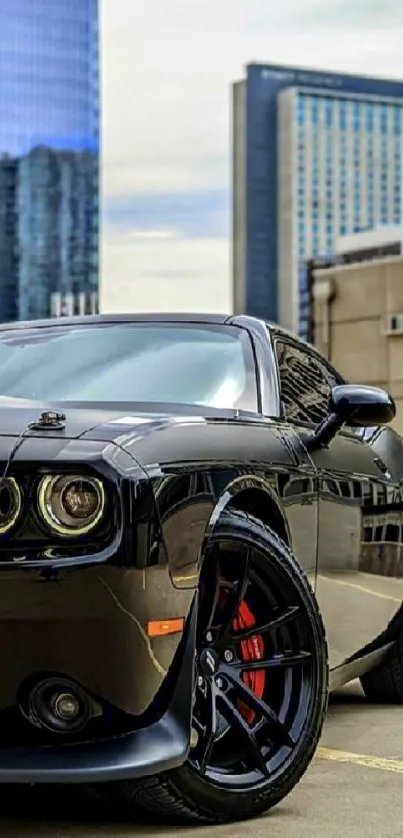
(364, 294)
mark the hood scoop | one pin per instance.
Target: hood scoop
(49, 420)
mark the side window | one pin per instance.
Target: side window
(305, 382)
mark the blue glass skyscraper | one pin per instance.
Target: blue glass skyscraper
(49, 155)
(316, 156)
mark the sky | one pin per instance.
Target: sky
(167, 67)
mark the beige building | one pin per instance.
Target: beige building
(358, 323)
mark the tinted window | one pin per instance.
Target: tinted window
(130, 362)
(305, 382)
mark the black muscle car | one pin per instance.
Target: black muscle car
(178, 497)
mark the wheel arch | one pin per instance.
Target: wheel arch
(256, 497)
(188, 525)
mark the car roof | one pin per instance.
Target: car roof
(152, 317)
(157, 317)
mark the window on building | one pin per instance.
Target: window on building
(343, 116)
(370, 118)
(301, 110)
(306, 382)
(356, 117)
(315, 111)
(329, 113)
(384, 119)
(397, 120)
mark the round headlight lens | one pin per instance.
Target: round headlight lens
(80, 500)
(10, 503)
(71, 504)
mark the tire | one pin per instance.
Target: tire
(195, 792)
(384, 683)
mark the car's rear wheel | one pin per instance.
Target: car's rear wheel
(384, 683)
(260, 686)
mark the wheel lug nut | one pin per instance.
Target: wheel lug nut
(220, 683)
(228, 655)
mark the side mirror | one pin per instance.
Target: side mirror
(354, 405)
(360, 406)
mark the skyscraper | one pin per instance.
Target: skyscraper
(49, 154)
(316, 155)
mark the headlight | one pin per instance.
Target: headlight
(10, 503)
(71, 504)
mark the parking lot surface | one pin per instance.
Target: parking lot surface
(354, 786)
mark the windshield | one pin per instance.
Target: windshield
(130, 362)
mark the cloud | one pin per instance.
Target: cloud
(204, 213)
(167, 66)
(153, 234)
(164, 270)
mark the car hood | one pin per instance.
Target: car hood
(176, 434)
(98, 423)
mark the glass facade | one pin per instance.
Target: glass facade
(49, 154)
(343, 174)
(349, 172)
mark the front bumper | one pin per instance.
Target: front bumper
(162, 745)
(85, 618)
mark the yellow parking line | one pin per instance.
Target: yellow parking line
(361, 588)
(381, 763)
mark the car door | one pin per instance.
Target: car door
(355, 488)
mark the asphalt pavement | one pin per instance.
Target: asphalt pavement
(353, 787)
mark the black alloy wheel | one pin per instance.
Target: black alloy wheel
(261, 683)
(255, 671)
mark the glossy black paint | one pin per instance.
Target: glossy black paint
(362, 406)
(81, 608)
(355, 406)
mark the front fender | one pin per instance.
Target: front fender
(189, 504)
(197, 468)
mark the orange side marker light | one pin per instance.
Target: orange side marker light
(160, 628)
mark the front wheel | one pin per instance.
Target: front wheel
(260, 688)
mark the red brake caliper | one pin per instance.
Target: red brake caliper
(252, 649)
